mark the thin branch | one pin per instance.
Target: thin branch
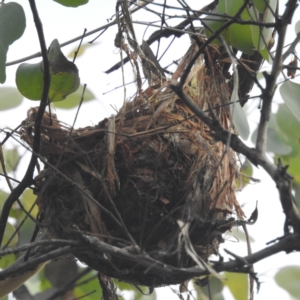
(292, 47)
(27, 179)
(208, 41)
(78, 38)
(288, 244)
(268, 92)
(167, 32)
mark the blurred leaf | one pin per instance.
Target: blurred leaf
(44, 282)
(22, 293)
(277, 141)
(60, 272)
(237, 284)
(288, 278)
(3, 197)
(294, 166)
(82, 50)
(259, 75)
(73, 100)
(297, 27)
(260, 5)
(11, 159)
(216, 287)
(28, 199)
(123, 285)
(287, 123)
(12, 26)
(245, 172)
(88, 287)
(9, 231)
(9, 98)
(7, 260)
(26, 230)
(290, 92)
(245, 38)
(239, 118)
(71, 3)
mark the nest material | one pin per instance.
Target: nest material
(140, 177)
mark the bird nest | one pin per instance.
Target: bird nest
(151, 179)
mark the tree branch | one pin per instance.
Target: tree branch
(27, 179)
(268, 92)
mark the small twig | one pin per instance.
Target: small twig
(69, 285)
(249, 251)
(78, 38)
(208, 41)
(292, 47)
(76, 52)
(72, 128)
(167, 32)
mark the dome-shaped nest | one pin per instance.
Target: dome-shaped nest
(150, 178)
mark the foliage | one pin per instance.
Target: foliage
(64, 76)
(12, 26)
(246, 36)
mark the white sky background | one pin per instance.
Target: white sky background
(66, 23)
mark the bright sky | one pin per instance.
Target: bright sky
(66, 23)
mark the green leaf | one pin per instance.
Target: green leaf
(9, 231)
(29, 80)
(3, 197)
(12, 26)
(43, 281)
(277, 140)
(64, 76)
(245, 38)
(9, 98)
(260, 5)
(72, 3)
(236, 35)
(294, 166)
(288, 278)
(11, 159)
(216, 287)
(266, 55)
(28, 199)
(268, 17)
(290, 92)
(7, 260)
(238, 285)
(88, 287)
(245, 172)
(287, 123)
(74, 99)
